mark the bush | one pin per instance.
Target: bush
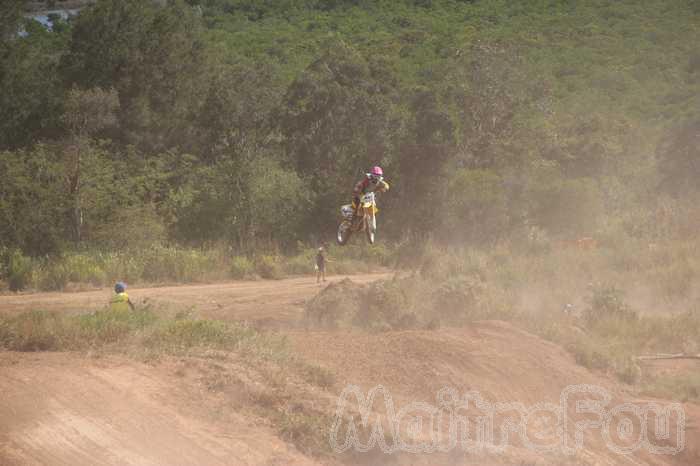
(19, 271)
(675, 281)
(56, 273)
(307, 431)
(458, 299)
(31, 331)
(82, 268)
(188, 333)
(300, 264)
(53, 276)
(122, 266)
(47, 331)
(181, 265)
(476, 208)
(241, 268)
(605, 303)
(386, 305)
(682, 388)
(317, 375)
(110, 326)
(336, 306)
(269, 267)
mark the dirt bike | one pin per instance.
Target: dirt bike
(366, 220)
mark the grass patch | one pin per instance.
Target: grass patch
(409, 302)
(681, 388)
(124, 330)
(316, 375)
(242, 268)
(577, 299)
(308, 431)
(169, 264)
(270, 267)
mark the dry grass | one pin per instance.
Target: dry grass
(280, 379)
(166, 264)
(124, 331)
(606, 306)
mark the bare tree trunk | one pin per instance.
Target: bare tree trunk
(75, 186)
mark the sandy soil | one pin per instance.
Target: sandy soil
(501, 363)
(68, 409)
(274, 302)
(77, 409)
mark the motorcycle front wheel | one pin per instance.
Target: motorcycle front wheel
(344, 232)
(370, 228)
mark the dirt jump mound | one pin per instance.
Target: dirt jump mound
(383, 305)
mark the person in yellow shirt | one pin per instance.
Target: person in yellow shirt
(120, 301)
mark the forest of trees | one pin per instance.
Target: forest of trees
(246, 122)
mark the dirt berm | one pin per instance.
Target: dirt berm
(502, 364)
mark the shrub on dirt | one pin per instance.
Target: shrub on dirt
(181, 265)
(83, 268)
(122, 266)
(607, 303)
(316, 375)
(590, 355)
(308, 431)
(336, 306)
(458, 299)
(385, 306)
(269, 267)
(53, 277)
(241, 268)
(19, 271)
(683, 388)
(47, 331)
(57, 273)
(31, 331)
(627, 369)
(675, 281)
(188, 333)
(301, 264)
(350, 266)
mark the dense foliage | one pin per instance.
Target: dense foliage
(248, 121)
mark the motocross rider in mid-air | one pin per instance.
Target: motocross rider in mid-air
(372, 182)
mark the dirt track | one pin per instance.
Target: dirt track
(275, 302)
(501, 363)
(74, 409)
(66, 409)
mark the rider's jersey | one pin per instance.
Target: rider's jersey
(370, 185)
(119, 302)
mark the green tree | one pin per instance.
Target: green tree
(33, 204)
(152, 55)
(30, 93)
(86, 113)
(476, 208)
(10, 18)
(249, 202)
(236, 114)
(338, 119)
